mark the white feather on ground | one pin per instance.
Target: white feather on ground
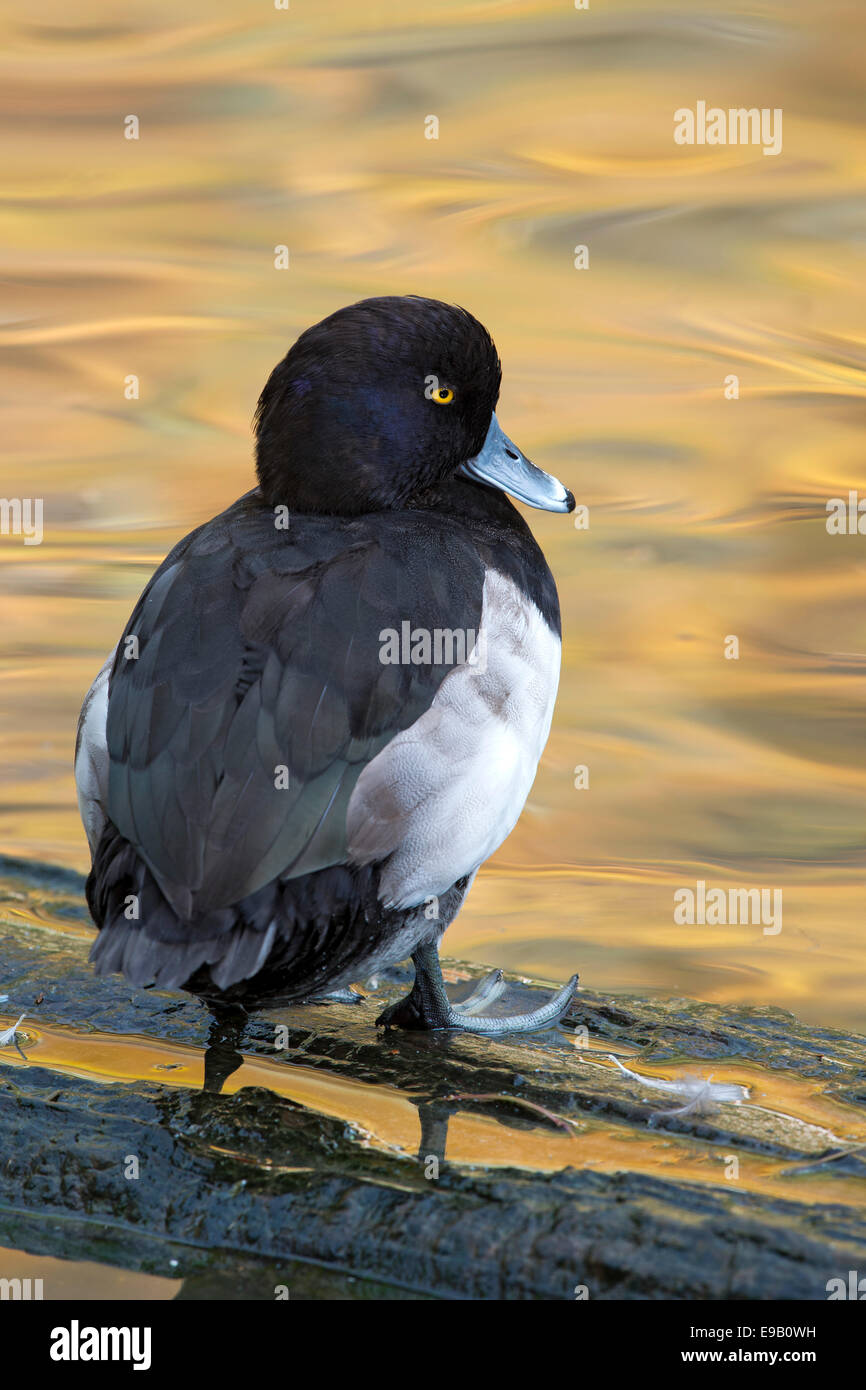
(8, 1035)
(701, 1094)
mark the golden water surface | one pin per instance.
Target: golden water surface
(306, 127)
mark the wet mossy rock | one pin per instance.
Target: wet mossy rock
(240, 1193)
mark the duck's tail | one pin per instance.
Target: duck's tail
(296, 935)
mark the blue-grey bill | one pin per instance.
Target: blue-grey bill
(502, 465)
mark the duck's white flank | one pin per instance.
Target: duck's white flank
(445, 793)
(91, 757)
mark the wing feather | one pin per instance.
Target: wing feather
(257, 651)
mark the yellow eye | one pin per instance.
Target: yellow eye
(443, 395)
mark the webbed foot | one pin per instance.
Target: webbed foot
(428, 1005)
(336, 996)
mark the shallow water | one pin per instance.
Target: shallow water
(707, 516)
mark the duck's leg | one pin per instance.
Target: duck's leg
(428, 1005)
(223, 1055)
(434, 1118)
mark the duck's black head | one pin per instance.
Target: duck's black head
(376, 405)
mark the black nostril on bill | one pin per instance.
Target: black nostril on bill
(510, 455)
